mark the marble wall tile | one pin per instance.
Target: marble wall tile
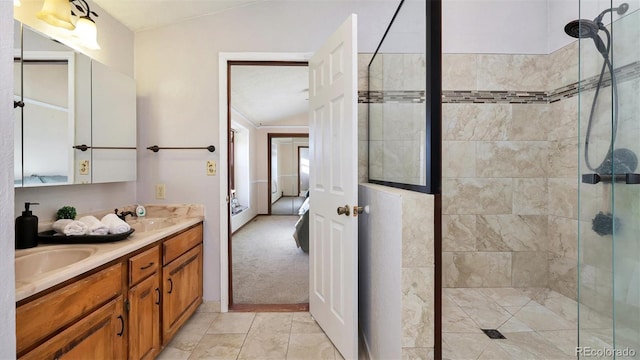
(415, 72)
(563, 66)
(363, 67)
(530, 269)
(563, 197)
(563, 158)
(417, 230)
(530, 196)
(563, 275)
(530, 122)
(476, 269)
(417, 354)
(363, 161)
(417, 307)
(563, 236)
(403, 121)
(477, 196)
(363, 121)
(459, 159)
(475, 121)
(563, 119)
(393, 72)
(376, 156)
(512, 159)
(458, 232)
(512, 72)
(511, 233)
(375, 121)
(459, 72)
(375, 78)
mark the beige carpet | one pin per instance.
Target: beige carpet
(267, 267)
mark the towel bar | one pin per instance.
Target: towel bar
(156, 148)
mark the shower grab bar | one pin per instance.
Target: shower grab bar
(628, 178)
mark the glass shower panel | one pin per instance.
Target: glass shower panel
(626, 195)
(609, 190)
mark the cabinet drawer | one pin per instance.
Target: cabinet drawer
(143, 265)
(180, 243)
(41, 317)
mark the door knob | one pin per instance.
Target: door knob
(344, 210)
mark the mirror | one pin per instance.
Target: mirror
(289, 173)
(44, 78)
(78, 123)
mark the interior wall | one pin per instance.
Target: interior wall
(7, 289)
(502, 150)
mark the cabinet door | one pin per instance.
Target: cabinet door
(144, 319)
(182, 291)
(100, 335)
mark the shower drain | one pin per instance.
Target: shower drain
(493, 334)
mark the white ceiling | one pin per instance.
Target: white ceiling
(264, 95)
(146, 14)
(271, 95)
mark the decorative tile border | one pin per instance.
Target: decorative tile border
(623, 73)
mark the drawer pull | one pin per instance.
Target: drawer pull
(171, 288)
(158, 301)
(147, 266)
(122, 323)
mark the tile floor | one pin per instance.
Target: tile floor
(235, 335)
(537, 323)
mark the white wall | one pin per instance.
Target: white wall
(246, 185)
(7, 284)
(117, 51)
(515, 26)
(380, 272)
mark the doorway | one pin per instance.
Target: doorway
(268, 271)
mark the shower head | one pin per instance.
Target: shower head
(583, 29)
(620, 10)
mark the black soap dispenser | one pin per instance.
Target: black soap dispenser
(27, 228)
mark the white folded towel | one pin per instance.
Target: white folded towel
(96, 227)
(115, 224)
(70, 227)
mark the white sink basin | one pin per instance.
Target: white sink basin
(39, 261)
(150, 224)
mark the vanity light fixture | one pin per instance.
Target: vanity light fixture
(86, 31)
(16, 3)
(57, 13)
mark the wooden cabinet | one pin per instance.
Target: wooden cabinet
(81, 307)
(100, 335)
(144, 319)
(182, 291)
(144, 304)
(128, 309)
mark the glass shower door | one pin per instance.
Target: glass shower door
(609, 187)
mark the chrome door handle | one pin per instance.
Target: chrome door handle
(344, 210)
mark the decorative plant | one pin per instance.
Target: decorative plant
(66, 212)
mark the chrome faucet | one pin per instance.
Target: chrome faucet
(122, 215)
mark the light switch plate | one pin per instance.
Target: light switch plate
(160, 191)
(84, 167)
(211, 167)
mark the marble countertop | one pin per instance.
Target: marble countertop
(105, 252)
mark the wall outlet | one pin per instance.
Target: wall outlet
(160, 191)
(84, 167)
(211, 167)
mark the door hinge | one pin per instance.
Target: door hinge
(127, 305)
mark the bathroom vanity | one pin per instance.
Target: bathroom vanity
(122, 300)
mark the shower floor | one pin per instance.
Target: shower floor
(537, 323)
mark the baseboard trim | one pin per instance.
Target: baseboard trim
(269, 307)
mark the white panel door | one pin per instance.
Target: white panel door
(333, 251)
